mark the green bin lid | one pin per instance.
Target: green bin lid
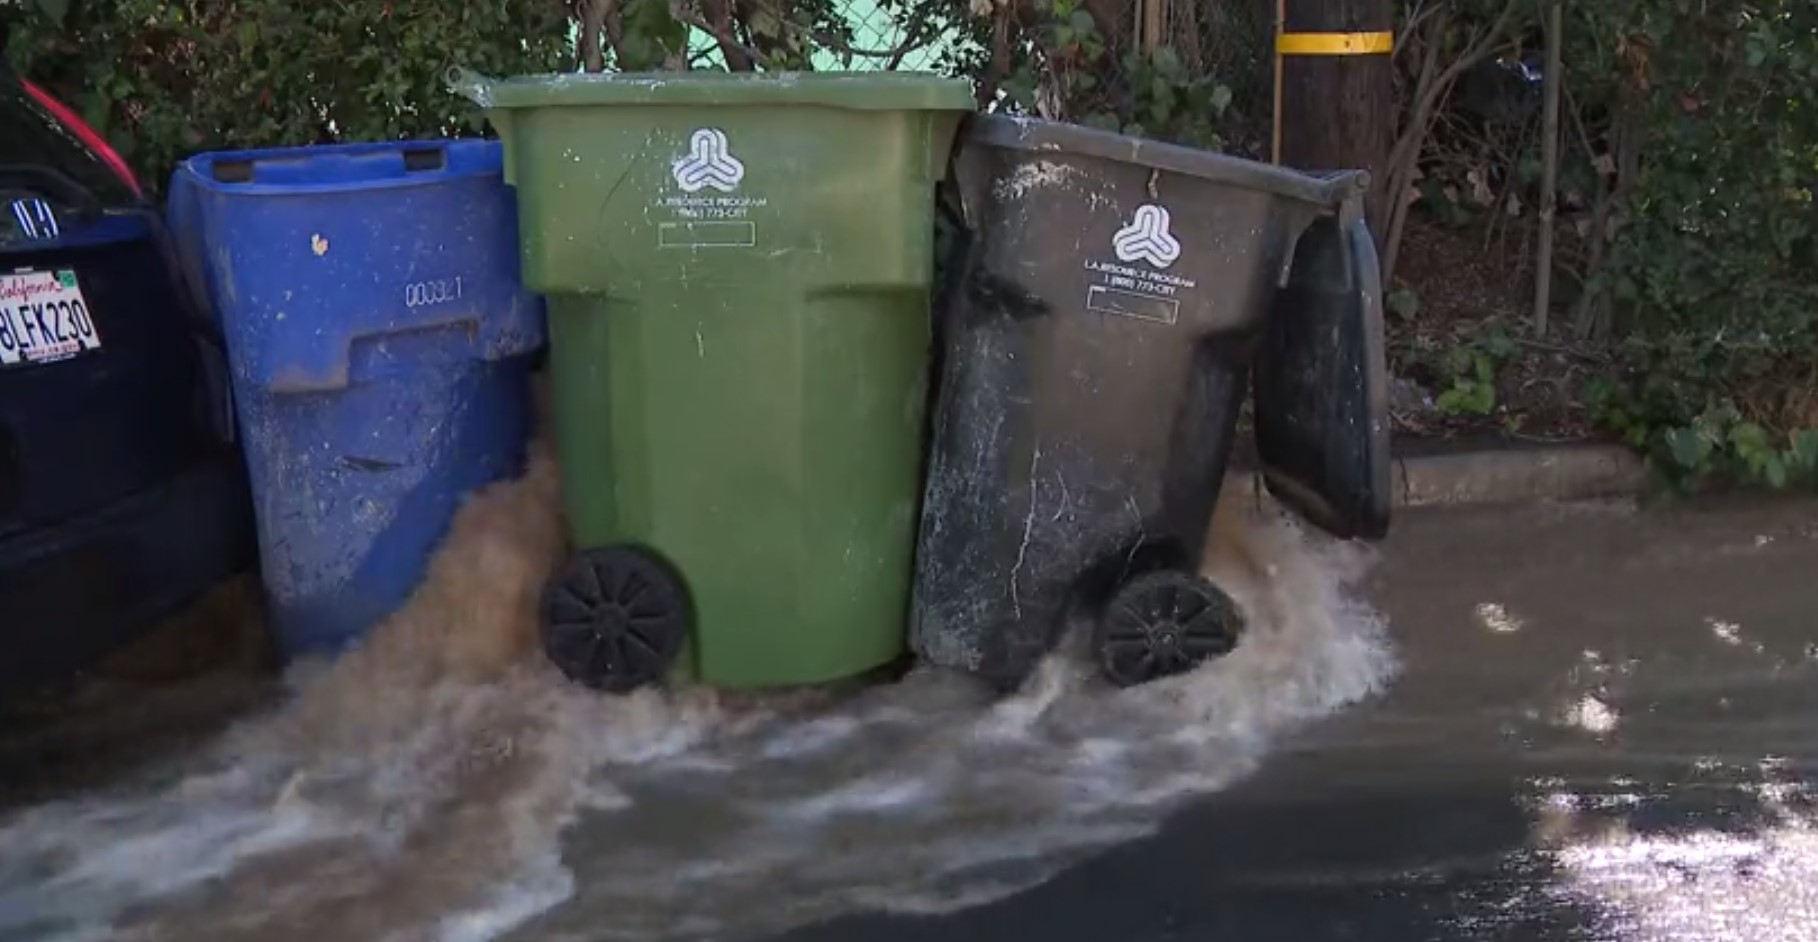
(862, 91)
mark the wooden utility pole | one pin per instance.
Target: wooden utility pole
(1334, 106)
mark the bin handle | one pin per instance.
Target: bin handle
(1344, 195)
(1344, 186)
(1351, 219)
(470, 85)
(1349, 216)
(407, 158)
(423, 159)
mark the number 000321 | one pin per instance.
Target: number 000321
(433, 291)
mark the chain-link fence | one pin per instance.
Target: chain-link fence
(1195, 71)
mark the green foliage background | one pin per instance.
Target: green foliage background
(164, 78)
(1714, 269)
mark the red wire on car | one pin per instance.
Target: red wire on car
(87, 135)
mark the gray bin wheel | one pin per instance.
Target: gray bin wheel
(1164, 623)
(614, 619)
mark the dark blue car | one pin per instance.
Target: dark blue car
(121, 496)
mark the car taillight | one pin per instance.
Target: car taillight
(87, 135)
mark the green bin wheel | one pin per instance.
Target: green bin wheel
(1164, 623)
(614, 619)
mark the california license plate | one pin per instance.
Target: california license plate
(44, 318)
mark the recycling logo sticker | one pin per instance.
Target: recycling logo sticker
(709, 164)
(1146, 239)
(1138, 283)
(710, 212)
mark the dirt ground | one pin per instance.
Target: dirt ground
(1472, 295)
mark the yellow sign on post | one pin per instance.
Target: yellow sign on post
(1335, 44)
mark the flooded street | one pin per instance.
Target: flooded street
(1563, 722)
(1602, 730)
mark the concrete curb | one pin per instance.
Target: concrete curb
(1515, 475)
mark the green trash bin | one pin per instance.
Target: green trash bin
(738, 271)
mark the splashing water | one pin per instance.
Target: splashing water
(440, 782)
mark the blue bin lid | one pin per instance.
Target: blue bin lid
(328, 168)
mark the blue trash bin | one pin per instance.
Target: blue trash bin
(380, 344)
(181, 218)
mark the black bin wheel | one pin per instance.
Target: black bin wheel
(614, 618)
(1164, 623)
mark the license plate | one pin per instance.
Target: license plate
(44, 318)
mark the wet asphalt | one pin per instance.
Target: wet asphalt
(1606, 728)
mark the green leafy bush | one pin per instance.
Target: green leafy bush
(164, 78)
(1714, 269)
(1072, 68)
(1470, 372)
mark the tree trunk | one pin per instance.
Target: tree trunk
(593, 19)
(719, 19)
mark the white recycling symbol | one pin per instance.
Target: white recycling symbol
(709, 163)
(1147, 238)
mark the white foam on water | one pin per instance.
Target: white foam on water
(543, 884)
(440, 782)
(811, 737)
(65, 866)
(940, 797)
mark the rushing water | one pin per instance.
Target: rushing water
(441, 782)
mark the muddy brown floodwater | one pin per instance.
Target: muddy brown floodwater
(441, 782)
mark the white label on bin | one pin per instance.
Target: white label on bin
(1147, 239)
(1136, 285)
(693, 219)
(708, 163)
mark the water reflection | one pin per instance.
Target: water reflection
(1734, 857)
